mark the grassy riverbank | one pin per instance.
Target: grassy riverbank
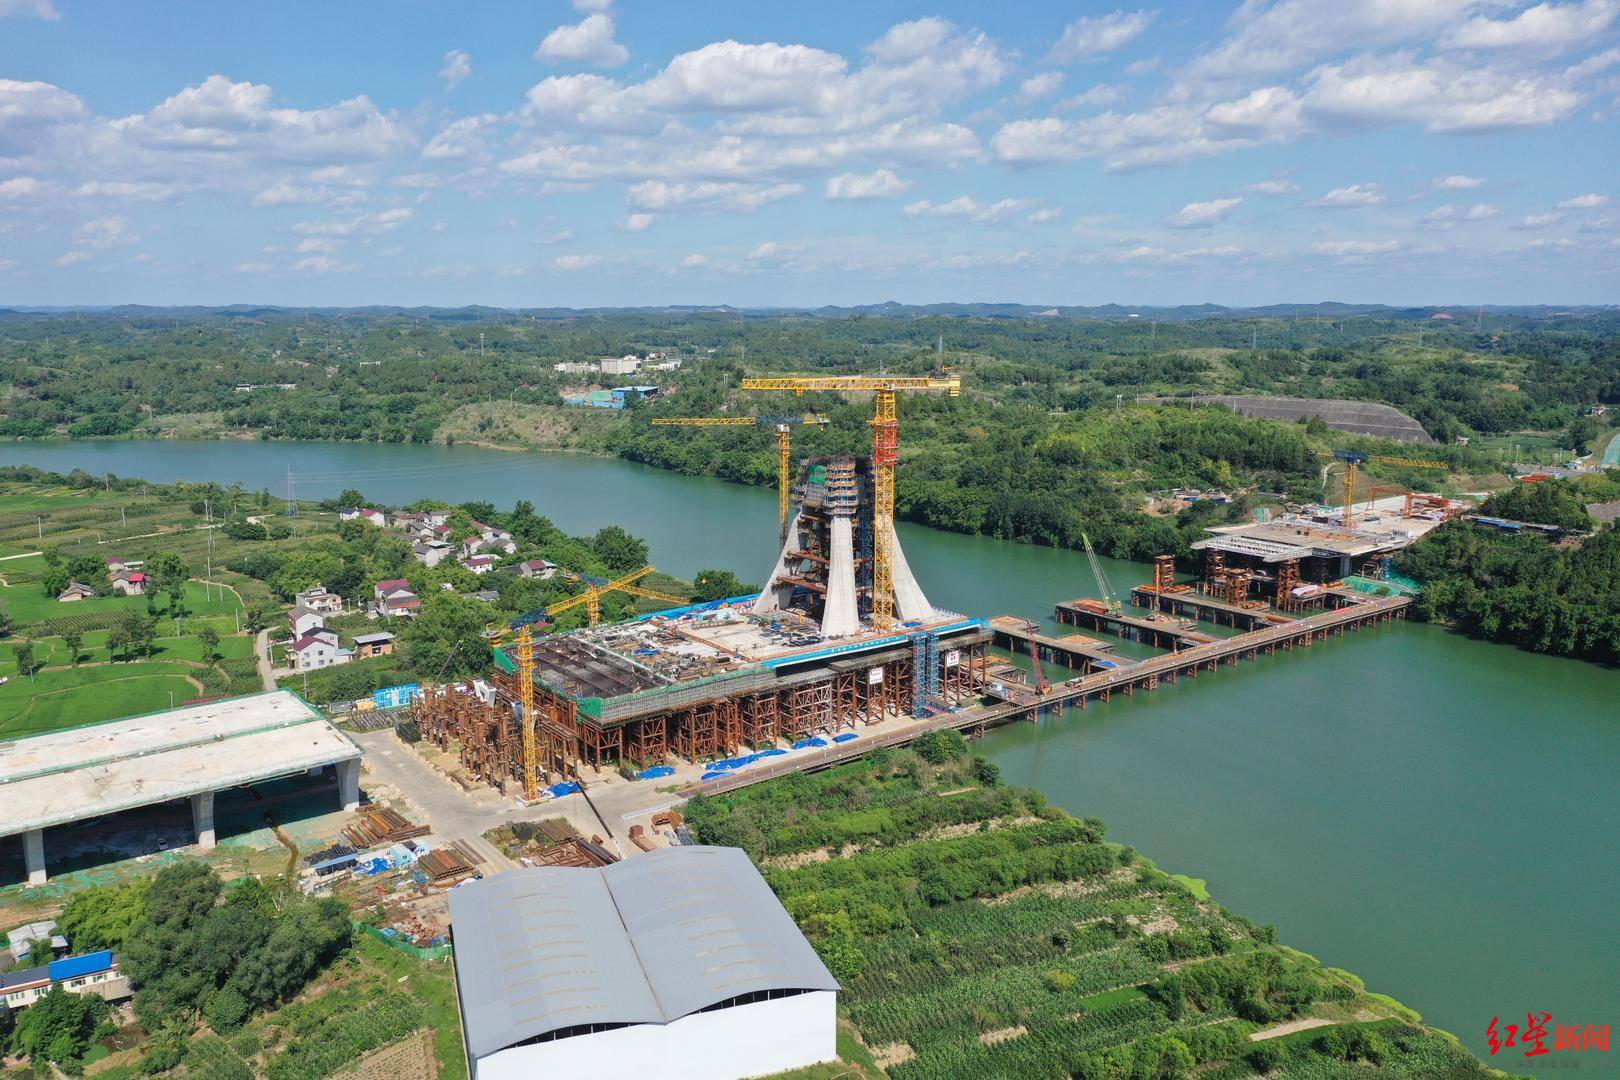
(978, 931)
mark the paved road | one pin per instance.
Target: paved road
(452, 813)
(261, 649)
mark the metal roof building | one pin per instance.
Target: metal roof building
(677, 963)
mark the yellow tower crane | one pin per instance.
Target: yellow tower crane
(885, 452)
(519, 634)
(592, 597)
(1354, 458)
(784, 445)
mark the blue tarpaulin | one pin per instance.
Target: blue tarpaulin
(845, 737)
(715, 775)
(560, 790)
(655, 772)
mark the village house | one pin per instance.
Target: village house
(363, 513)
(129, 583)
(399, 602)
(317, 649)
(304, 620)
(76, 590)
(431, 553)
(488, 596)
(479, 564)
(317, 598)
(495, 538)
(537, 568)
(368, 645)
(93, 973)
(116, 563)
(383, 588)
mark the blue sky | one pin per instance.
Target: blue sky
(638, 152)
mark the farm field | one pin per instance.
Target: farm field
(979, 932)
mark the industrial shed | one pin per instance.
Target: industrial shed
(680, 963)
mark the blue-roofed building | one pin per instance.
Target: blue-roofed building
(92, 973)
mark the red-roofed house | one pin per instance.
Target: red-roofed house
(317, 649)
(126, 583)
(479, 564)
(383, 588)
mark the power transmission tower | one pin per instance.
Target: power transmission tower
(292, 498)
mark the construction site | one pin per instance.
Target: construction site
(841, 650)
(841, 636)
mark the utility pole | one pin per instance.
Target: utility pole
(292, 499)
(1254, 340)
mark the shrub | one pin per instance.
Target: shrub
(227, 1010)
(1058, 981)
(938, 747)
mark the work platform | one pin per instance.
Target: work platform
(1204, 607)
(186, 753)
(1074, 651)
(1163, 633)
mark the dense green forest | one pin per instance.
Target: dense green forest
(1522, 589)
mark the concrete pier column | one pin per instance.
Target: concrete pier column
(34, 855)
(349, 784)
(202, 817)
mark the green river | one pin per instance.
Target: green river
(1436, 814)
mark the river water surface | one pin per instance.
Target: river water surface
(1436, 814)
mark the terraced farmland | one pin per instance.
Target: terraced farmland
(979, 932)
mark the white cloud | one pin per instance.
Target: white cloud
(219, 120)
(73, 258)
(319, 244)
(364, 225)
(1353, 195)
(587, 42)
(966, 206)
(637, 222)
(31, 106)
(1546, 28)
(320, 264)
(694, 260)
(1584, 202)
(713, 196)
(1273, 187)
(457, 66)
(1269, 38)
(575, 262)
(1539, 221)
(874, 185)
(912, 40)
(1043, 215)
(23, 9)
(140, 190)
(1356, 247)
(1456, 183)
(8, 264)
(592, 5)
(1441, 217)
(1482, 211)
(252, 268)
(461, 139)
(104, 232)
(23, 187)
(1097, 97)
(771, 251)
(1203, 215)
(1039, 86)
(1093, 36)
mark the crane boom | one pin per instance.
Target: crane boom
(1103, 587)
(1353, 458)
(784, 447)
(951, 383)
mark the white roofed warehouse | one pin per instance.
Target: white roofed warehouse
(680, 964)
